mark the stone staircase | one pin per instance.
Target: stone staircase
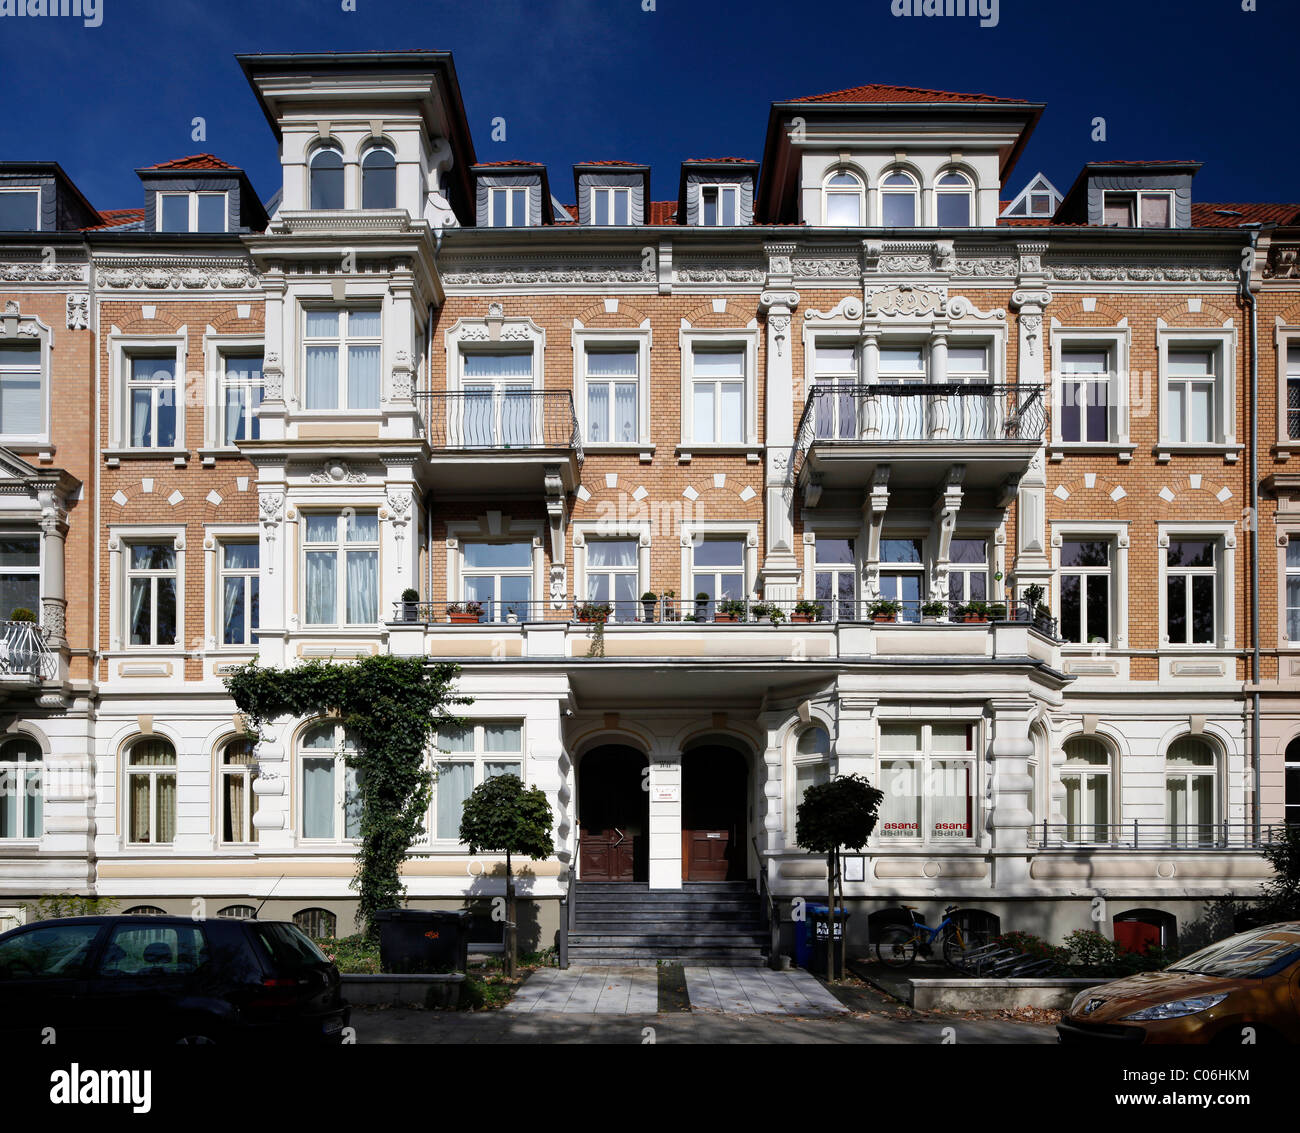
(718, 922)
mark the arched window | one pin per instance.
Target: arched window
(316, 923)
(379, 179)
(845, 200)
(151, 792)
(330, 793)
(1292, 813)
(20, 788)
(955, 200)
(238, 774)
(978, 926)
(326, 178)
(899, 200)
(238, 913)
(1086, 778)
(1190, 791)
(812, 751)
(1138, 929)
(145, 911)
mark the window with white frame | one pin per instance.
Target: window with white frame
(152, 585)
(902, 575)
(241, 396)
(151, 399)
(835, 578)
(20, 210)
(972, 412)
(1191, 590)
(238, 771)
(1191, 791)
(342, 346)
(1293, 589)
(191, 212)
(237, 585)
(151, 792)
(719, 205)
(1190, 382)
(812, 766)
(900, 417)
(954, 200)
(1293, 389)
(1291, 797)
(499, 577)
(927, 773)
(22, 389)
(379, 178)
(498, 407)
(835, 376)
(467, 757)
(611, 205)
(612, 379)
(319, 924)
(508, 207)
(1085, 584)
(717, 395)
(968, 571)
(325, 178)
(341, 568)
(612, 576)
(1086, 777)
(845, 200)
(900, 198)
(329, 798)
(21, 762)
(1138, 209)
(20, 574)
(1085, 382)
(718, 569)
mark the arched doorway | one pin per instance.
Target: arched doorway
(715, 814)
(613, 815)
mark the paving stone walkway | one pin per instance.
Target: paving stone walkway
(635, 991)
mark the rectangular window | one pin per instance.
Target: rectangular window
(902, 576)
(241, 395)
(508, 208)
(1138, 210)
(342, 358)
(341, 568)
(238, 586)
(498, 408)
(1293, 390)
(901, 417)
(611, 206)
(718, 569)
(467, 757)
(1293, 589)
(835, 375)
(499, 576)
(191, 212)
(718, 205)
(22, 400)
(151, 400)
(1191, 589)
(927, 772)
(151, 593)
(20, 574)
(612, 395)
(1085, 383)
(1085, 590)
(1189, 396)
(968, 571)
(718, 396)
(20, 210)
(836, 579)
(612, 576)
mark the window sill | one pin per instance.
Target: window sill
(1121, 450)
(751, 452)
(210, 456)
(1164, 453)
(618, 448)
(113, 457)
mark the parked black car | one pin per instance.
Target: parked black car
(160, 979)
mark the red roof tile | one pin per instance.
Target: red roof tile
(632, 164)
(196, 161)
(1206, 215)
(116, 218)
(502, 164)
(662, 212)
(720, 161)
(1157, 161)
(886, 93)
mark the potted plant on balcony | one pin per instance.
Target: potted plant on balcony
(701, 606)
(933, 611)
(769, 610)
(648, 600)
(670, 606)
(885, 610)
(1032, 596)
(595, 612)
(806, 611)
(730, 610)
(997, 612)
(973, 612)
(410, 605)
(464, 613)
(22, 614)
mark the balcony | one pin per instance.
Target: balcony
(26, 658)
(508, 437)
(1141, 834)
(847, 431)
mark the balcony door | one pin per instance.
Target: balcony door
(902, 416)
(498, 406)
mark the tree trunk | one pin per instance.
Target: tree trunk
(512, 940)
(830, 912)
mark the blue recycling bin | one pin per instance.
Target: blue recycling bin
(811, 936)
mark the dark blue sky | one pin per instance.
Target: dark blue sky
(582, 80)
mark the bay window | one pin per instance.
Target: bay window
(342, 358)
(152, 581)
(341, 568)
(467, 757)
(927, 773)
(329, 798)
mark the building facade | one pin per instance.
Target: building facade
(854, 460)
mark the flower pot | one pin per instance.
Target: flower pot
(648, 609)
(884, 617)
(974, 618)
(463, 619)
(725, 618)
(410, 611)
(931, 619)
(802, 619)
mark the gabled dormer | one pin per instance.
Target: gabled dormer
(37, 196)
(200, 193)
(372, 132)
(887, 157)
(1131, 194)
(1038, 200)
(512, 194)
(717, 192)
(612, 193)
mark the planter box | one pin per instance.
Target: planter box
(463, 619)
(884, 617)
(414, 990)
(725, 618)
(801, 619)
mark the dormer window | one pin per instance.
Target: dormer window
(508, 207)
(1138, 210)
(899, 200)
(191, 212)
(327, 178)
(955, 200)
(379, 179)
(611, 206)
(845, 200)
(718, 205)
(20, 210)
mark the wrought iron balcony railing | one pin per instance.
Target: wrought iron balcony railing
(501, 419)
(1145, 835)
(24, 652)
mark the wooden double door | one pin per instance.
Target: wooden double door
(715, 784)
(613, 816)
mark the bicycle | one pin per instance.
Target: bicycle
(899, 944)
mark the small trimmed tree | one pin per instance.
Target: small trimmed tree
(832, 815)
(502, 816)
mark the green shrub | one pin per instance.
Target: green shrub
(353, 955)
(60, 905)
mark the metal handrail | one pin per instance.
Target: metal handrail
(1142, 834)
(773, 919)
(500, 419)
(25, 652)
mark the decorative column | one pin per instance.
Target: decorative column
(771, 825)
(1010, 818)
(869, 427)
(271, 412)
(873, 519)
(779, 575)
(402, 417)
(1032, 564)
(945, 522)
(557, 522)
(54, 533)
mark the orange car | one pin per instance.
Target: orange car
(1251, 980)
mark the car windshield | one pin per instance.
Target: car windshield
(1260, 953)
(45, 953)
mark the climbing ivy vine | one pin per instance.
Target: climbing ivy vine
(392, 707)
